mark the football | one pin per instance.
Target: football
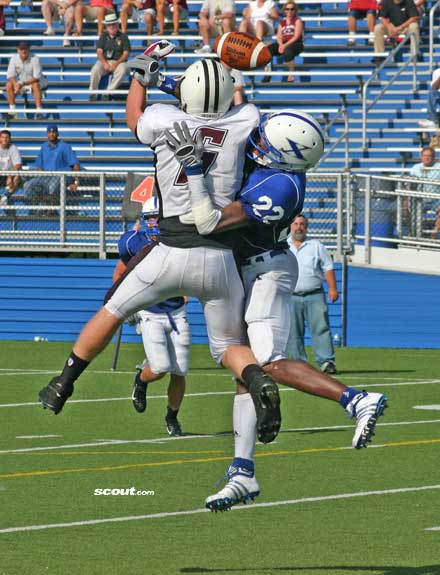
(242, 51)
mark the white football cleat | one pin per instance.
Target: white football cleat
(240, 488)
(367, 408)
(160, 49)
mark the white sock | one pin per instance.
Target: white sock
(245, 426)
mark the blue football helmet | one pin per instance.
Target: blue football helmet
(290, 140)
(150, 215)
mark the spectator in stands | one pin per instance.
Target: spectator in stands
(357, 10)
(139, 9)
(308, 303)
(216, 17)
(23, 76)
(113, 49)
(97, 10)
(259, 17)
(174, 10)
(290, 39)
(10, 159)
(60, 9)
(396, 17)
(428, 169)
(54, 156)
(3, 3)
(433, 102)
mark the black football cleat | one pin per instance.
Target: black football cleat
(266, 398)
(55, 394)
(139, 394)
(173, 427)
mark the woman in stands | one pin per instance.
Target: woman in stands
(290, 39)
(259, 18)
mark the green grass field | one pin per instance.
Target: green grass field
(324, 508)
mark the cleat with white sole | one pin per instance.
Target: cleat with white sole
(240, 488)
(366, 408)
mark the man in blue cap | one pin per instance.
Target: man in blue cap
(54, 156)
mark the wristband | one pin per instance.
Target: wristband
(167, 84)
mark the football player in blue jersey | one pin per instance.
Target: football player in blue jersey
(164, 327)
(281, 150)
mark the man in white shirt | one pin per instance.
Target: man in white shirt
(417, 208)
(433, 102)
(308, 304)
(23, 75)
(10, 159)
(216, 17)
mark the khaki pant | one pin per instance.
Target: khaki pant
(98, 72)
(380, 33)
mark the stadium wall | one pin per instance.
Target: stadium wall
(392, 309)
(54, 297)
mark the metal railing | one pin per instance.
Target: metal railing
(341, 114)
(84, 211)
(395, 211)
(366, 106)
(431, 34)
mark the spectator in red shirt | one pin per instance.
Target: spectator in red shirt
(138, 9)
(96, 10)
(175, 10)
(3, 3)
(290, 41)
(358, 9)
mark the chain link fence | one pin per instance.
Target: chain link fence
(86, 211)
(63, 211)
(389, 211)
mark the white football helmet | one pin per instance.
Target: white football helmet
(290, 140)
(206, 90)
(150, 215)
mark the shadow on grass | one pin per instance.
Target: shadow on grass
(313, 431)
(347, 569)
(348, 372)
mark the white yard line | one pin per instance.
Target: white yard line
(198, 511)
(433, 529)
(100, 442)
(36, 436)
(213, 393)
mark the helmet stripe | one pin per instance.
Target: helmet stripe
(304, 119)
(216, 85)
(207, 95)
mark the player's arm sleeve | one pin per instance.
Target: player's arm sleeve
(145, 128)
(207, 217)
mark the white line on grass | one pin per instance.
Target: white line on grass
(197, 511)
(433, 529)
(36, 436)
(100, 442)
(427, 407)
(209, 393)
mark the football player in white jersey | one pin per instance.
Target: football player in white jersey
(286, 145)
(164, 327)
(185, 262)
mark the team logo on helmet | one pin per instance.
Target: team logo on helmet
(290, 140)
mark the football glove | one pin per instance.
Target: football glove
(187, 150)
(160, 49)
(145, 70)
